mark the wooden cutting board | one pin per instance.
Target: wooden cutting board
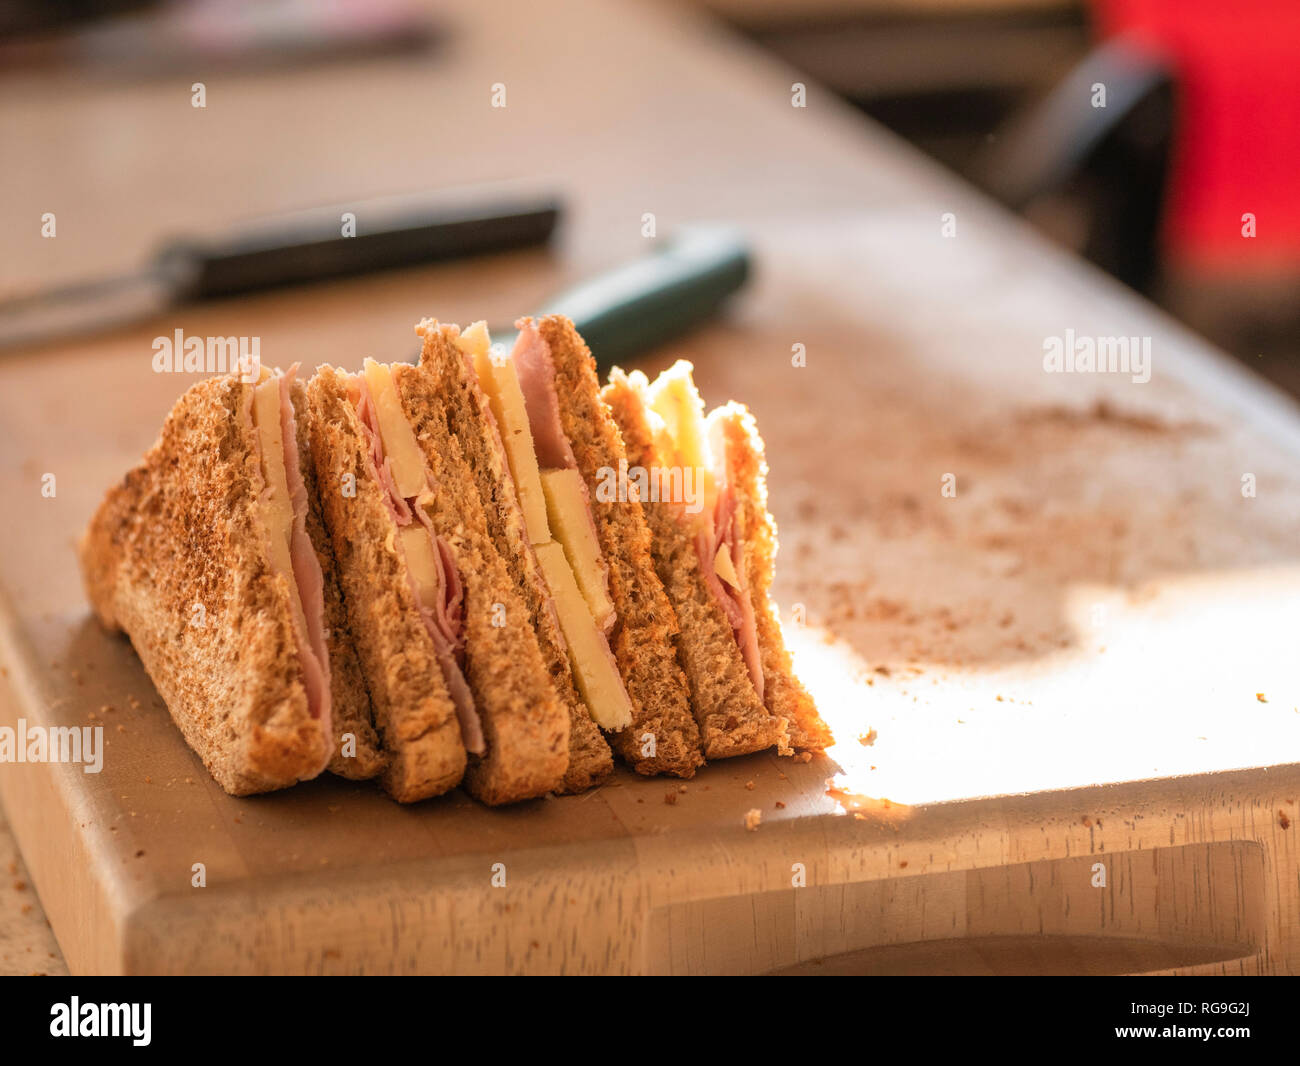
(1018, 676)
(1065, 690)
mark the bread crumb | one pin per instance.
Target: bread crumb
(1087, 821)
(1260, 696)
(902, 864)
(753, 818)
(803, 756)
(20, 886)
(681, 788)
(868, 738)
(1283, 820)
(780, 806)
(749, 785)
(670, 798)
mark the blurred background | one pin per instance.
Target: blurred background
(1183, 181)
(1159, 138)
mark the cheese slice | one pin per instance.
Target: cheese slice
(570, 520)
(277, 506)
(421, 563)
(725, 568)
(594, 669)
(400, 446)
(673, 397)
(506, 399)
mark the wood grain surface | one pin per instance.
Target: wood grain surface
(1065, 697)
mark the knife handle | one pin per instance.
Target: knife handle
(388, 234)
(653, 299)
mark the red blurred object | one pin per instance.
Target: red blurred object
(1237, 148)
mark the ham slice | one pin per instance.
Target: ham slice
(312, 651)
(720, 531)
(535, 370)
(536, 373)
(443, 619)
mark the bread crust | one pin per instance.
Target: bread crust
(732, 718)
(783, 693)
(176, 557)
(413, 710)
(642, 639)
(471, 421)
(524, 723)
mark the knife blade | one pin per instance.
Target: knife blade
(288, 250)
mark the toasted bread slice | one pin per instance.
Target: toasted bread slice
(413, 710)
(177, 557)
(357, 754)
(734, 428)
(663, 736)
(731, 715)
(525, 725)
(470, 420)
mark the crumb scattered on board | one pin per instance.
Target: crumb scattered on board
(753, 818)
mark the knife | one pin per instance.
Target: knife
(287, 250)
(651, 300)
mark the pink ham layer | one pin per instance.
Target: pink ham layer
(536, 372)
(720, 530)
(313, 653)
(442, 618)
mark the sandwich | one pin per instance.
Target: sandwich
(594, 556)
(448, 357)
(211, 556)
(458, 685)
(703, 485)
(481, 570)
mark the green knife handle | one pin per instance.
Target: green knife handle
(658, 297)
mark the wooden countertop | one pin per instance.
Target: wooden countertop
(1097, 606)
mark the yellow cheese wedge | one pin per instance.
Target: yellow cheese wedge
(566, 507)
(673, 397)
(594, 669)
(506, 398)
(726, 570)
(277, 507)
(400, 446)
(421, 562)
